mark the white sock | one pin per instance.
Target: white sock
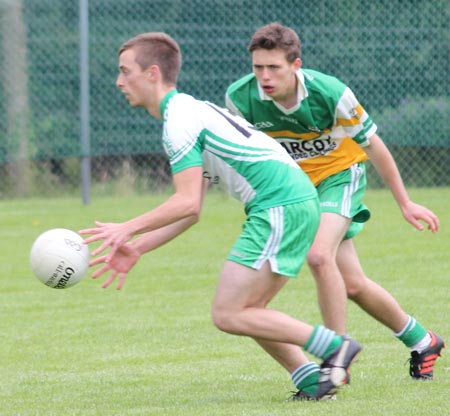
(422, 344)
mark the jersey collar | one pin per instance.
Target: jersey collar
(166, 99)
(302, 93)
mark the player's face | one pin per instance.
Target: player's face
(275, 74)
(132, 80)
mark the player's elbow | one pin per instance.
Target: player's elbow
(194, 219)
(192, 210)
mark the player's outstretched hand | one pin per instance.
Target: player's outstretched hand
(112, 234)
(414, 213)
(123, 260)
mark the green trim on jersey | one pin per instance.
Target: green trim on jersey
(315, 115)
(259, 166)
(325, 132)
(165, 100)
(254, 168)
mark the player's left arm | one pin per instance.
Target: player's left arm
(386, 167)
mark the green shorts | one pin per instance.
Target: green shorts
(342, 194)
(281, 235)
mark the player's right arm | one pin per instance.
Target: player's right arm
(127, 255)
(237, 97)
(156, 238)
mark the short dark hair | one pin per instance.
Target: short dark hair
(277, 36)
(156, 48)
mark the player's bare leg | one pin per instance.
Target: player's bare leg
(332, 295)
(239, 308)
(425, 346)
(369, 295)
(288, 356)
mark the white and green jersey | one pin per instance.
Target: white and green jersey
(324, 133)
(254, 168)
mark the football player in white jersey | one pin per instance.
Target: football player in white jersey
(319, 121)
(204, 141)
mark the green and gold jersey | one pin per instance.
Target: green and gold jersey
(324, 133)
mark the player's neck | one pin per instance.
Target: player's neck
(288, 102)
(154, 105)
(290, 99)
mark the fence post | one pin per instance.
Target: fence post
(13, 49)
(84, 102)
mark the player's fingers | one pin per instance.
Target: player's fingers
(433, 225)
(111, 253)
(430, 219)
(100, 271)
(415, 223)
(97, 260)
(89, 231)
(122, 279)
(93, 238)
(101, 248)
(110, 279)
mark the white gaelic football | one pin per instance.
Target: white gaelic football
(59, 258)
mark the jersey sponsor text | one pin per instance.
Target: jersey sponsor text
(306, 149)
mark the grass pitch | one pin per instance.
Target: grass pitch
(151, 348)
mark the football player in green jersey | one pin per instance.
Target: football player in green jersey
(319, 121)
(204, 141)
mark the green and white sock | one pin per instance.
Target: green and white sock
(323, 342)
(306, 377)
(414, 335)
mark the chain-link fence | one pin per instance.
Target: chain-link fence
(394, 54)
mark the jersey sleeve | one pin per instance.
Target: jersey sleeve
(239, 95)
(182, 136)
(352, 117)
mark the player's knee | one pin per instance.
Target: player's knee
(317, 259)
(353, 292)
(224, 320)
(355, 288)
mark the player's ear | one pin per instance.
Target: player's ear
(297, 63)
(153, 72)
